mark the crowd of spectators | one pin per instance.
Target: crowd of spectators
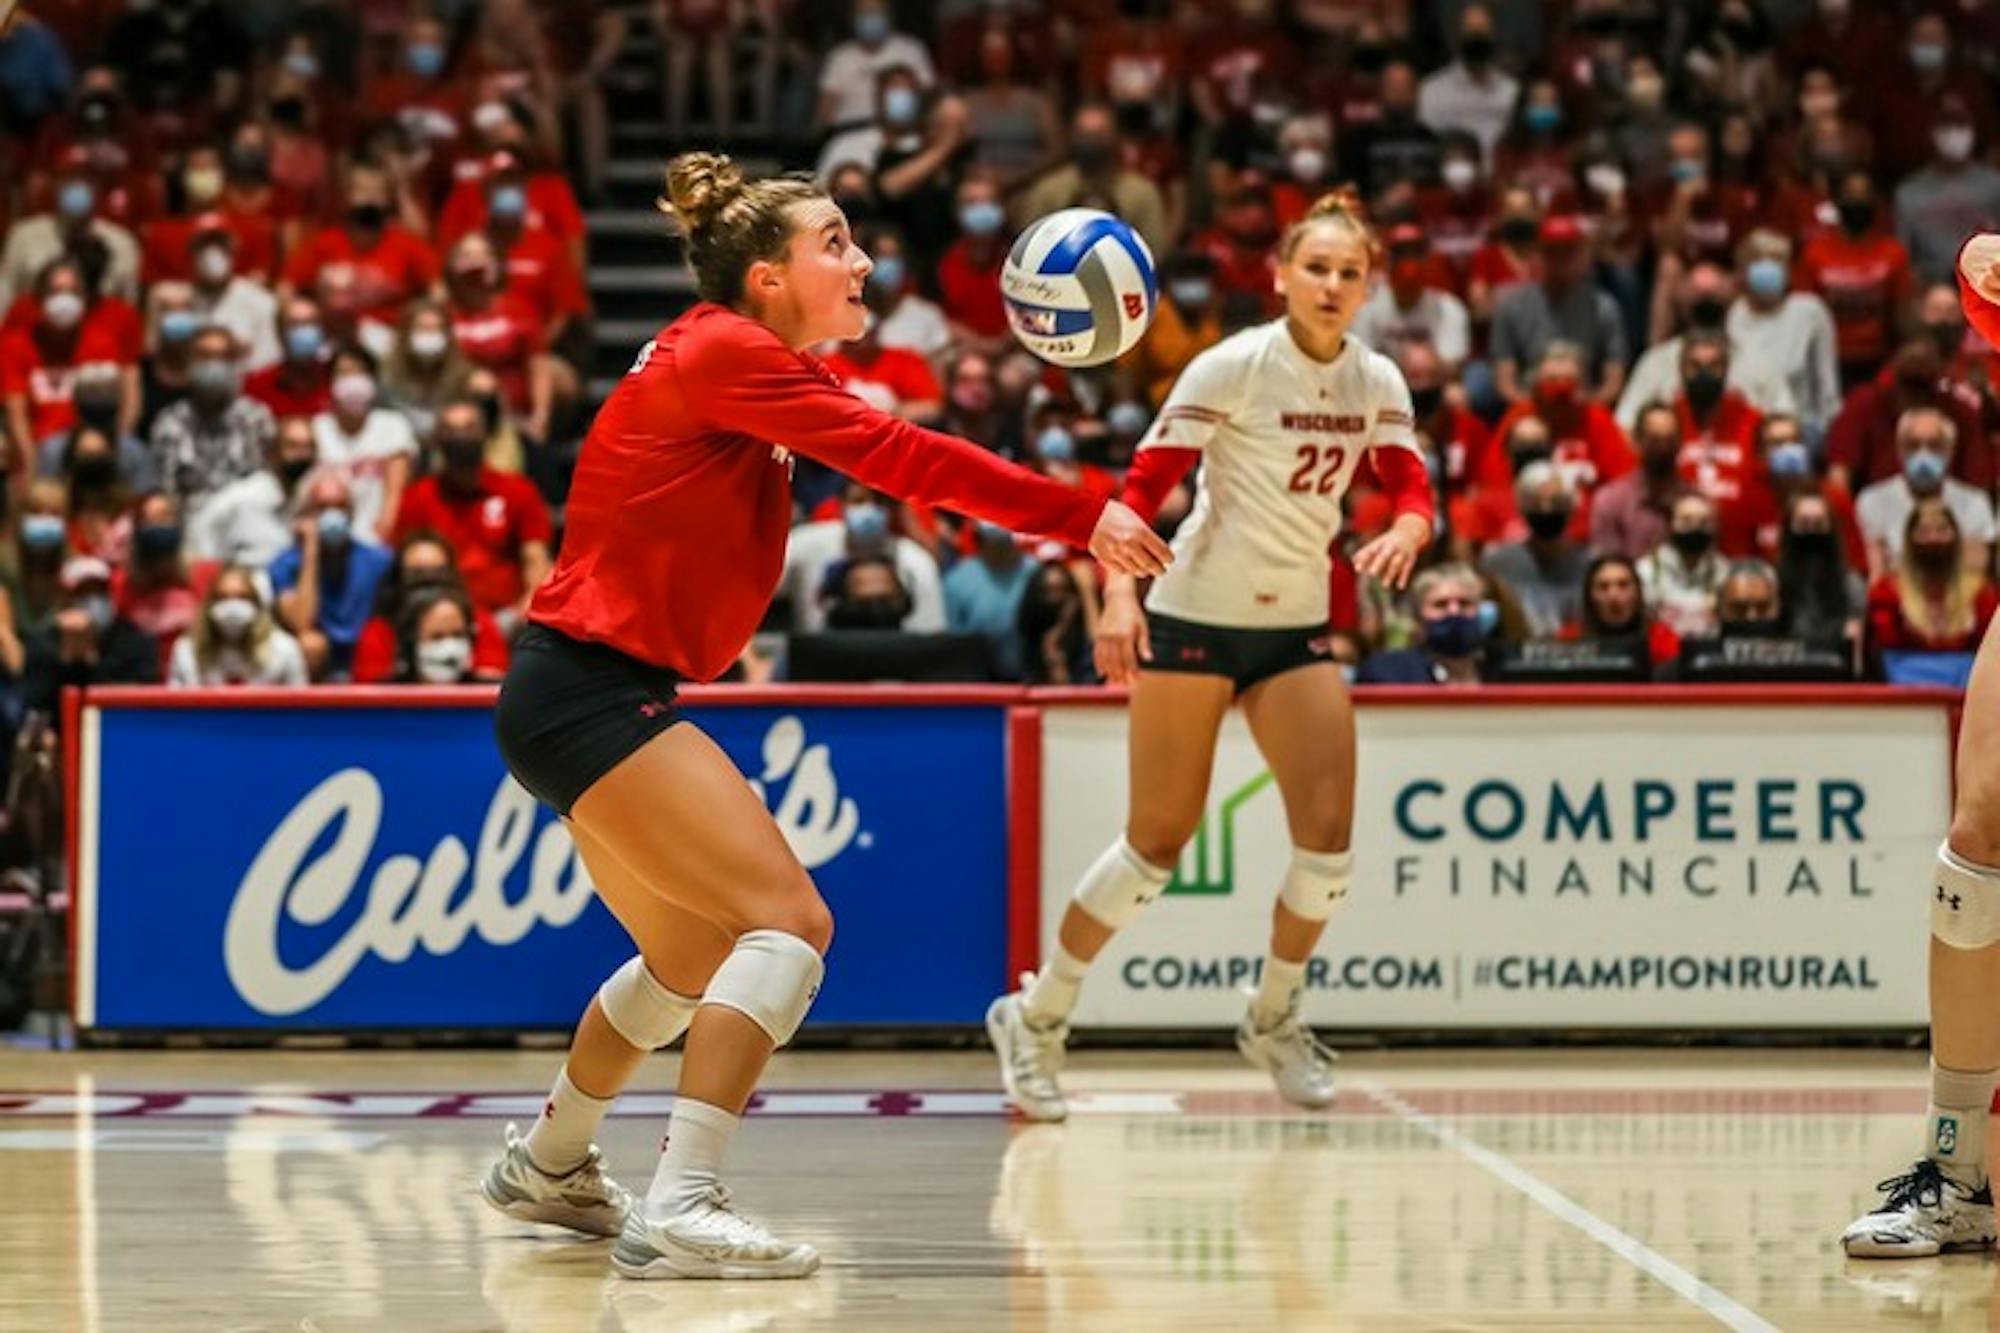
(297, 336)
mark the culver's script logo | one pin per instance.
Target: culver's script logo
(414, 901)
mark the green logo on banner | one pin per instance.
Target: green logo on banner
(1208, 877)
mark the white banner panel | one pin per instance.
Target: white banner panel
(1516, 866)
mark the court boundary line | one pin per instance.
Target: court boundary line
(1712, 1301)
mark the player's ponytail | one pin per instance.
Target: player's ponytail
(1342, 207)
(727, 221)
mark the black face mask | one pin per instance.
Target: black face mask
(250, 166)
(489, 406)
(1549, 524)
(1425, 402)
(368, 216)
(1659, 464)
(1948, 337)
(1708, 312)
(1519, 458)
(94, 471)
(1692, 543)
(1518, 232)
(868, 613)
(156, 542)
(101, 413)
(1135, 118)
(462, 453)
(1093, 156)
(1752, 629)
(1476, 48)
(1704, 390)
(1370, 59)
(1813, 543)
(1934, 558)
(1857, 216)
(289, 112)
(292, 471)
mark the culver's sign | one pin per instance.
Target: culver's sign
(375, 868)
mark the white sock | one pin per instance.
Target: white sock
(691, 1159)
(1955, 1133)
(1277, 985)
(560, 1137)
(1052, 997)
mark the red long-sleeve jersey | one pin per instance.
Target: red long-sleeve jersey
(681, 502)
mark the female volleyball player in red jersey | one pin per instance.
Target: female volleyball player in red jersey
(1280, 415)
(678, 517)
(1945, 1201)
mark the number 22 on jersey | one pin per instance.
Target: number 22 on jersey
(1304, 481)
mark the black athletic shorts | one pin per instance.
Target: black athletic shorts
(1246, 656)
(570, 712)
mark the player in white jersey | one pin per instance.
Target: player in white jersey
(1280, 416)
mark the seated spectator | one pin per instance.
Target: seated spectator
(983, 595)
(1448, 601)
(1408, 306)
(1955, 192)
(1094, 169)
(1544, 571)
(157, 589)
(1188, 322)
(1683, 574)
(1719, 439)
(237, 302)
(1536, 151)
(1792, 471)
(1055, 646)
(434, 638)
(1823, 598)
(1629, 515)
(1932, 599)
(847, 79)
(1584, 439)
(35, 242)
(1926, 439)
(1862, 446)
(1748, 604)
(424, 560)
(325, 584)
(417, 90)
(1561, 304)
(1508, 256)
(971, 403)
(1614, 610)
(98, 395)
(300, 384)
(1473, 93)
(1702, 306)
(891, 379)
(1781, 336)
(1863, 273)
(897, 122)
(386, 264)
(100, 499)
(39, 364)
(968, 276)
(249, 522)
(499, 331)
(818, 551)
(167, 241)
(371, 445)
(426, 370)
(511, 193)
(86, 643)
(41, 549)
(234, 640)
(215, 435)
(1240, 246)
(495, 521)
(908, 321)
(539, 265)
(867, 593)
(171, 323)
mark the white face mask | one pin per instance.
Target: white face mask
(1308, 164)
(443, 661)
(353, 393)
(428, 344)
(1954, 142)
(1460, 173)
(64, 309)
(233, 616)
(213, 264)
(1604, 178)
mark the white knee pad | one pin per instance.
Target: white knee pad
(1119, 884)
(770, 978)
(1315, 886)
(1965, 903)
(645, 1013)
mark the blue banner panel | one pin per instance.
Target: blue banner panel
(349, 868)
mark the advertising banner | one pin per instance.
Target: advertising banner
(1525, 866)
(375, 867)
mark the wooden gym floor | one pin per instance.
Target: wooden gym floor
(1646, 1189)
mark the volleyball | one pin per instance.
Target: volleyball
(1080, 287)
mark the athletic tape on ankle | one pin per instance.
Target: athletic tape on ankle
(641, 1010)
(1119, 884)
(1965, 902)
(1315, 886)
(770, 978)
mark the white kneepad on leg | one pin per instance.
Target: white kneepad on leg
(642, 1011)
(1965, 905)
(770, 978)
(1315, 887)
(1119, 884)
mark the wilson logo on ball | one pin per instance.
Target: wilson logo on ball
(1079, 287)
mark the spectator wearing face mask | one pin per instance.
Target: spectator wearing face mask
(1305, 146)
(1719, 440)
(39, 366)
(434, 638)
(848, 78)
(1683, 574)
(1188, 322)
(417, 90)
(301, 383)
(983, 594)
(424, 561)
(215, 435)
(1792, 470)
(1823, 597)
(508, 195)
(1412, 306)
(168, 242)
(389, 266)
(1562, 305)
(893, 379)
(971, 406)
(1466, 461)
(1472, 93)
(1584, 438)
(1933, 597)
(1453, 623)
(100, 517)
(1239, 246)
(969, 274)
(371, 445)
(1928, 76)
(1704, 304)
(86, 643)
(157, 588)
(1863, 273)
(1053, 627)
(1545, 570)
(40, 541)
(1614, 611)
(1059, 432)
(1862, 446)
(426, 369)
(496, 522)
(1749, 603)
(234, 640)
(1508, 256)
(325, 584)
(1925, 440)
(866, 593)
(818, 549)
(249, 522)
(35, 242)
(1778, 335)
(1954, 194)
(1629, 516)
(538, 263)
(1537, 151)
(223, 296)
(1096, 167)
(164, 375)
(499, 331)
(99, 393)
(906, 320)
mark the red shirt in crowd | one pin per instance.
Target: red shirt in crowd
(552, 206)
(895, 376)
(503, 338)
(682, 503)
(375, 650)
(1720, 460)
(1586, 442)
(112, 317)
(540, 272)
(288, 394)
(970, 292)
(488, 529)
(395, 269)
(1862, 438)
(1889, 629)
(49, 379)
(1865, 282)
(164, 242)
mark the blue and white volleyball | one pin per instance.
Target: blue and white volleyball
(1080, 287)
